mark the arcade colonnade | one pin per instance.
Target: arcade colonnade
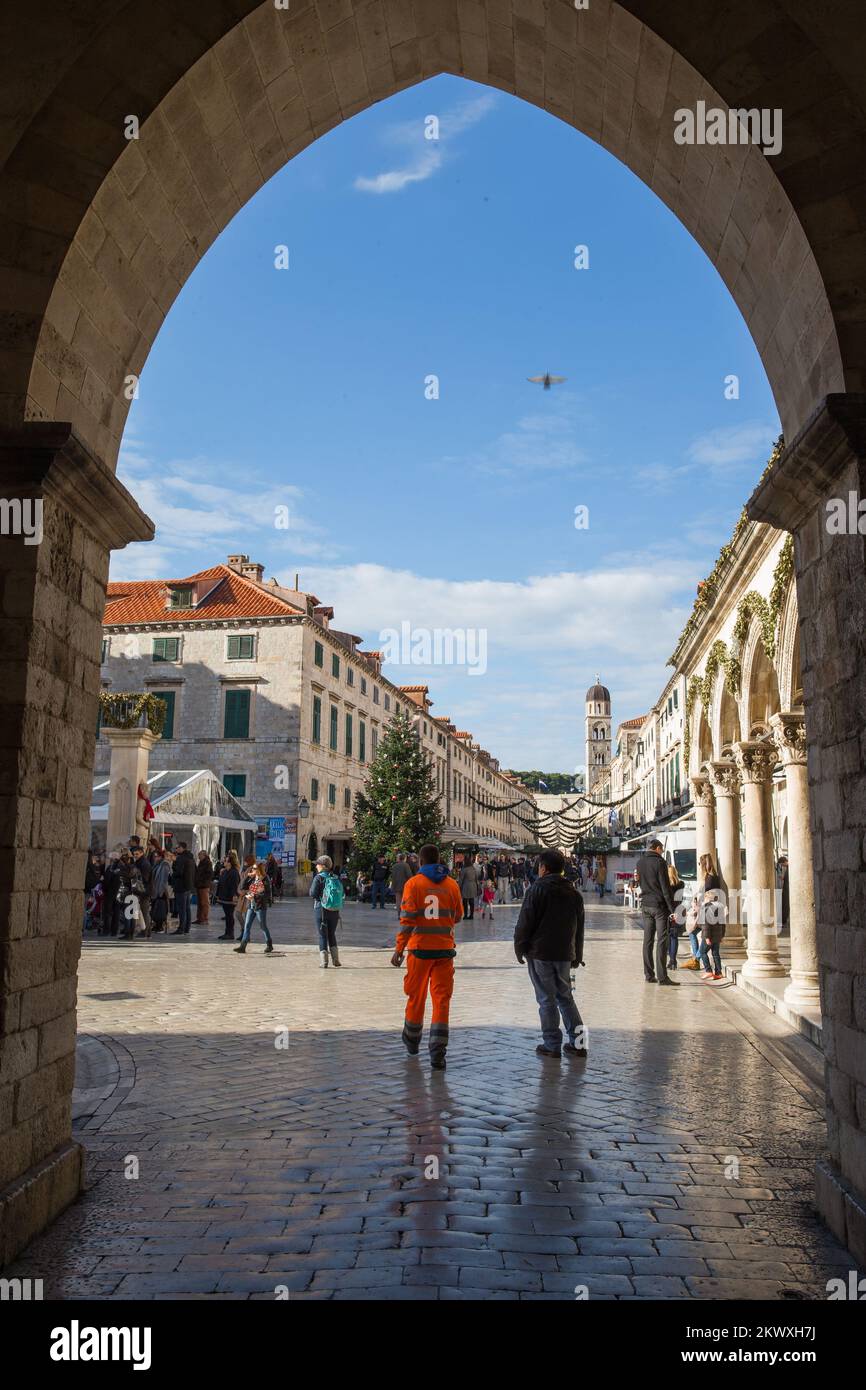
(100, 231)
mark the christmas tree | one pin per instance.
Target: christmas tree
(399, 806)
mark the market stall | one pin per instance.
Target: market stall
(187, 805)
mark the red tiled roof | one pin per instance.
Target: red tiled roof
(633, 723)
(232, 596)
(407, 688)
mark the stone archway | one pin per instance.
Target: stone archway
(101, 232)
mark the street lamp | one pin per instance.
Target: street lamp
(303, 808)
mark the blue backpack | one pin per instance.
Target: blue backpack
(332, 893)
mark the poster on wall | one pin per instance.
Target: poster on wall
(290, 842)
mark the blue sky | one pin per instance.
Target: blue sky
(304, 389)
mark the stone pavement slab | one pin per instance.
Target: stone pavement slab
(254, 1122)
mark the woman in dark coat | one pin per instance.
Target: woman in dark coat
(712, 916)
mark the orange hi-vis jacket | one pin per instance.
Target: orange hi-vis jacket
(431, 906)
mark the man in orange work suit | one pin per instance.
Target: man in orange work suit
(431, 906)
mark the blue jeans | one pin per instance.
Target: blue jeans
(717, 959)
(183, 912)
(693, 942)
(377, 890)
(551, 980)
(252, 913)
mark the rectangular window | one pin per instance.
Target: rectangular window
(350, 676)
(166, 648)
(319, 654)
(180, 598)
(104, 649)
(347, 799)
(332, 794)
(317, 719)
(375, 741)
(375, 694)
(314, 789)
(236, 722)
(335, 666)
(348, 735)
(387, 700)
(240, 648)
(332, 741)
(169, 697)
(362, 741)
(236, 783)
(363, 685)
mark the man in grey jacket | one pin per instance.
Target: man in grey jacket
(657, 906)
(400, 876)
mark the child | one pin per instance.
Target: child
(488, 897)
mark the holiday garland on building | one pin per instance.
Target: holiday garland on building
(399, 806)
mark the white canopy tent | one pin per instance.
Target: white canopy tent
(188, 805)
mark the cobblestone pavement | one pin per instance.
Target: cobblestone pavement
(674, 1163)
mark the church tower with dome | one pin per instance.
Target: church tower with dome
(597, 726)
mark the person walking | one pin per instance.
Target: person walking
(228, 888)
(378, 879)
(203, 882)
(183, 882)
(432, 907)
(657, 907)
(467, 882)
(400, 876)
(329, 896)
(501, 880)
(246, 877)
(548, 938)
(142, 872)
(488, 898)
(601, 876)
(258, 898)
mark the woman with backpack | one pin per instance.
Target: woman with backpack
(326, 890)
(228, 888)
(257, 898)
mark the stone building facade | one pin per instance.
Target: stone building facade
(285, 708)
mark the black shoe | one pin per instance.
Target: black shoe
(240, 950)
(225, 937)
(651, 979)
(437, 1063)
(574, 1051)
(547, 1051)
(675, 984)
(178, 931)
(268, 949)
(413, 1051)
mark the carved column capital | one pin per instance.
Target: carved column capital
(702, 792)
(755, 760)
(789, 732)
(725, 778)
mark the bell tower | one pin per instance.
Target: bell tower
(597, 732)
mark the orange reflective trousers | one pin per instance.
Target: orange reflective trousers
(437, 976)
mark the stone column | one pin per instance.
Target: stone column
(130, 757)
(826, 464)
(789, 732)
(756, 760)
(725, 780)
(52, 596)
(705, 817)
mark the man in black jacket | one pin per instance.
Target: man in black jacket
(657, 907)
(184, 880)
(549, 936)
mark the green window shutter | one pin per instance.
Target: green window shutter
(169, 697)
(236, 783)
(335, 665)
(362, 741)
(332, 794)
(237, 714)
(348, 735)
(333, 739)
(317, 719)
(319, 654)
(314, 789)
(240, 648)
(166, 648)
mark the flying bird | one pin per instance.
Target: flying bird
(547, 380)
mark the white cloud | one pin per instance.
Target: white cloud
(424, 157)
(722, 451)
(537, 443)
(197, 506)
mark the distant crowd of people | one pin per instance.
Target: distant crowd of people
(139, 890)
